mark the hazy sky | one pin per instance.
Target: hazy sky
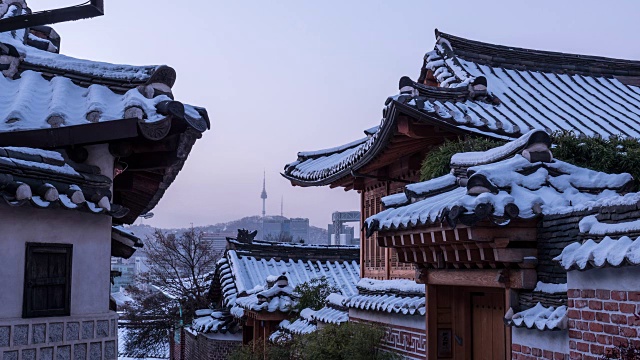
(278, 77)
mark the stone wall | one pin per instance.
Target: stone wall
(602, 307)
(86, 337)
(210, 346)
(555, 232)
(406, 334)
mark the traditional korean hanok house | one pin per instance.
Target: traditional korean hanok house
(254, 285)
(484, 242)
(469, 88)
(84, 146)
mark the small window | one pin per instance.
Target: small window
(47, 280)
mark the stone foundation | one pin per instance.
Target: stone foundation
(85, 337)
(406, 334)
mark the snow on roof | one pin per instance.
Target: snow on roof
(31, 101)
(215, 321)
(299, 326)
(135, 240)
(436, 185)
(329, 315)
(511, 148)
(333, 150)
(589, 103)
(278, 244)
(307, 322)
(245, 276)
(43, 89)
(121, 298)
(550, 288)
(336, 299)
(393, 296)
(590, 225)
(278, 297)
(62, 63)
(539, 317)
(407, 305)
(607, 252)
(395, 200)
(527, 188)
(313, 165)
(44, 179)
(397, 286)
(514, 102)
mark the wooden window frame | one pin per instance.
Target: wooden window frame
(50, 248)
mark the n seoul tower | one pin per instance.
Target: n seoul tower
(263, 196)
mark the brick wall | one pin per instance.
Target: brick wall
(523, 352)
(210, 346)
(600, 319)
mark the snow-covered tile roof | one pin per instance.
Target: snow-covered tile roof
(502, 98)
(275, 296)
(44, 179)
(329, 315)
(215, 321)
(121, 298)
(396, 286)
(550, 288)
(307, 322)
(407, 305)
(243, 276)
(590, 225)
(515, 187)
(43, 89)
(392, 296)
(607, 252)
(539, 317)
(135, 240)
(321, 164)
(51, 62)
(395, 200)
(304, 324)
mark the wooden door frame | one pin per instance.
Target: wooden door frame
(432, 321)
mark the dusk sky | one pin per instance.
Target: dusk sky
(278, 77)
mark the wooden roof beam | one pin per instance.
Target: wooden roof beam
(503, 278)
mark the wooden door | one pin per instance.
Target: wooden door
(488, 329)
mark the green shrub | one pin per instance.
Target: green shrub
(271, 352)
(349, 341)
(312, 294)
(611, 155)
(436, 163)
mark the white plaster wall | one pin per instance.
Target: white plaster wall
(626, 278)
(418, 322)
(556, 341)
(90, 235)
(100, 156)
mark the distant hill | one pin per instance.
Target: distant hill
(317, 235)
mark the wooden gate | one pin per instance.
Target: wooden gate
(488, 330)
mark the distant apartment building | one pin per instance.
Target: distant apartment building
(129, 269)
(218, 240)
(280, 228)
(346, 237)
